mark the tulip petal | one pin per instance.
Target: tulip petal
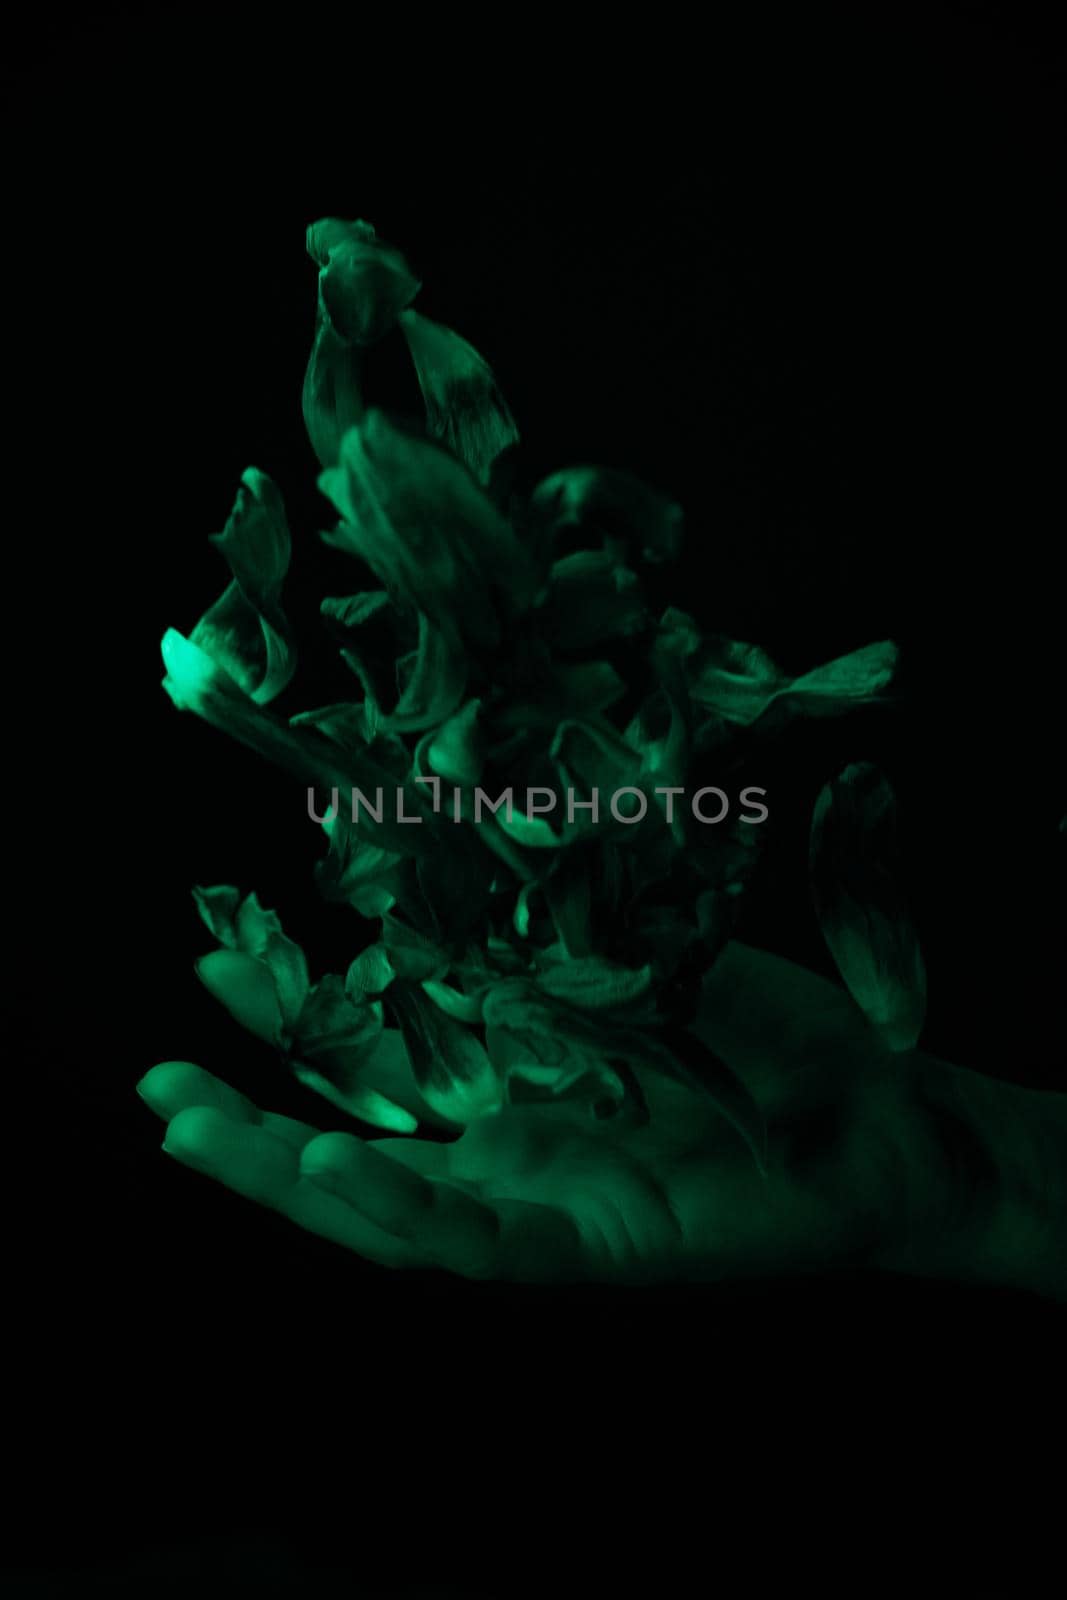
(595, 984)
(861, 907)
(451, 1066)
(218, 908)
(591, 598)
(427, 531)
(359, 1100)
(739, 682)
(464, 407)
(246, 631)
(627, 513)
(363, 285)
(435, 684)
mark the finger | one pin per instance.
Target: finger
(448, 1226)
(175, 1086)
(758, 1008)
(255, 1163)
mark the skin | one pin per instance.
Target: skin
(890, 1161)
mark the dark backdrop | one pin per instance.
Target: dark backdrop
(806, 276)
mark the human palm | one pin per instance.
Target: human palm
(544, 1193)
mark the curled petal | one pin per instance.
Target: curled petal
(464, 407)
(457, 751)
(424, 527)
(452, 1068)
(246, 631)
(739, 682)
(860, 904)
(359, 1100)
(363, 285)
(628, 514)
(591, 598)
(195, 683)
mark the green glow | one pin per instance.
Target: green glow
(626, 1091)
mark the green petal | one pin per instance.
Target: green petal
(195, 683)
(861, 906)
(369, 628)
(333, 1025)
(464, 407)
(371, 973)
(288, 968)
(363, 285)
(247, 990)
(255, 926)
(218, 908)
(354, 871)
(595, 984)
(591, 599)
(434, 685)
(457, 751)
(591, 755)
(359, 1100)
(463, 1007)
(246, 631)
(535, 833)
(258, 933)
(740, 681)
(427, 531)
(451, 1066)
(624, 511)
(413, 955)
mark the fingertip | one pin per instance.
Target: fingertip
(191, 1133)
(329, 1155)
(173, 1086)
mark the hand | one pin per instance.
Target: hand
(874, 1159)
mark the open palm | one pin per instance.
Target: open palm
(545, 1193)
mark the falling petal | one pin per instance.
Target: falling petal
(359, 1100)
(464, 407)
(463, 1007)
(596, 984)
(861, 907)
(195, 683)
(740, 681)
(451, 1066)
(427, 531)
(333, 1024)
(246, 631)
(591, 599)
(457, 752)
(371, 973)
(435, 684)
(218, 908)
(614, 504)
(363, 285)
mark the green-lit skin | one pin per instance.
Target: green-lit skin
(629, 1096)
(880, 1160)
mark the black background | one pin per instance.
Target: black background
(807, 275)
